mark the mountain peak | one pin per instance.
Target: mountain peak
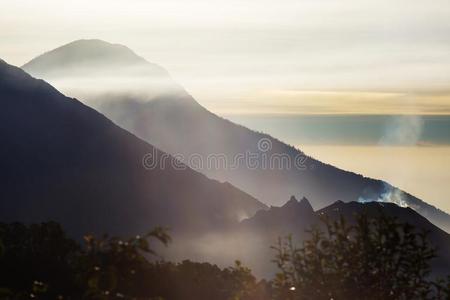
(303, 205)
(87, 56)
(292, 201)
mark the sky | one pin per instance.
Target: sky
(410, 152)
(421, 171)
(346, 58)
(263, 57)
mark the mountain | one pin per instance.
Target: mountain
(175, 123)
(293, 216)
(297, 217)
(95, 57)
(437, 237)
(61, 160)
(97, 70)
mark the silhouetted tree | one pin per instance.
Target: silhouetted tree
(193, 281)
(40, 262)
(35, 255)
(375, 258)
(111, 265)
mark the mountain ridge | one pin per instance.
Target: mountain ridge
(296, 220)
(186, 128)
(62, 160)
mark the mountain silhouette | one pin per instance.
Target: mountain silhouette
(97, 70)
(175, 123)
(296, 218)
(285, 219)
(61, 160)
(95, 56)
(437, 237)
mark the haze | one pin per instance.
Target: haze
(261, 56)
(296, 57)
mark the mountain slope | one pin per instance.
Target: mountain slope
(437, 237)
(297, 217)
(64, 161)
(174, 122)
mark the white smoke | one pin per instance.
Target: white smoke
(404, 131)
(391, 195)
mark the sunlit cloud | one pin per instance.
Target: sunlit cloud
(228, 53)
(337, 102)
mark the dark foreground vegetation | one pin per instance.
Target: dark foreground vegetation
(371, 259)
(40, 262)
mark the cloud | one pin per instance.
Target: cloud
(227, 51)
(336, 102)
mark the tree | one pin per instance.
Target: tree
(111, 267)
(40, 262)
(37, 254)
(375, 258)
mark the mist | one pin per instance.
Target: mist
(198, 124)
(227, 54)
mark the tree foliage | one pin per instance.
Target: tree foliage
(40, 262)
(374, 258)
(371, 258)
(36, 254)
